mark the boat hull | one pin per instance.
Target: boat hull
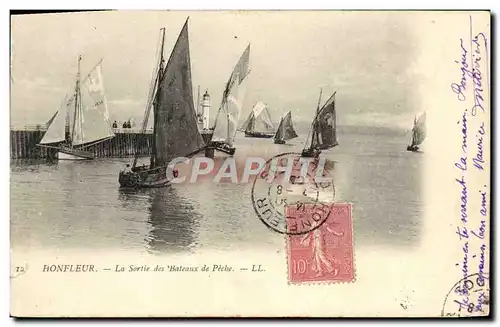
(310, 153)
(412, 148)
(223, 147)
(206, 135)
(327, 146)
(144, 178)
(279, 142)
(74, 155)
(259, 135)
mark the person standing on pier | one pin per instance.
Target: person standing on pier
(127, 169)
(115, 124)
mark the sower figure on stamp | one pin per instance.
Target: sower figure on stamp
(321, 259)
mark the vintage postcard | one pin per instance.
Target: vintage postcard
(250, 164)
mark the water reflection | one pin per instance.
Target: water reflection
(80, 205)
(172, 219)
(385, 185)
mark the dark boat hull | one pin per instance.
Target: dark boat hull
(279, 142)
(223, 147)
(412, 148)
(144, 178)
(259, 135)
(310, 153)
(326, 146)
(206, 135)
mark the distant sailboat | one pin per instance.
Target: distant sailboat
(259, 123)
(285, 130)
(175, 132)
(323, 134)
(229, 112)
(418, 133)
(84, 120)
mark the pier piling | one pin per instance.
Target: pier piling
(23, 144)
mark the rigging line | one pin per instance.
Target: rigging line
(90, 71)
(320, 111)
(152, 89)
(152, 86)
(312, 124)
(77, 99)
(96, 142)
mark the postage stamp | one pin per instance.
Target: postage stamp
(469, 297)
(325, 254)
(288, 179)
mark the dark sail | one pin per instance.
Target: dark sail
(175, 129)
(418, 131)
(285, 129)
(324, 135)
(251, 124)
(247, 123)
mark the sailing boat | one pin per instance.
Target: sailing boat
(175, 133)
(324, 129)
(84, 122)
(285, 129)
(230, 109)
(259, 123)
(418, 133)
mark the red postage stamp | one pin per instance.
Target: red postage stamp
(326, 253)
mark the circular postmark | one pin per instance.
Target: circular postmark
(293, 195)
(469, 297)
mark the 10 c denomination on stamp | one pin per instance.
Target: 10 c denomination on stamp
(325, 254)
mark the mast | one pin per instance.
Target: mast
(155, 111)
(314, 119)
(319, 100)
(227, 115)
(176, 131)
(150, 98)
(232, 108)
(198, 111)
(77, 101)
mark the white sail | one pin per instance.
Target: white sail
(86, 120)
(94, 85)
(258, 108)
(56, 131)
(262, 117)
(90, 123)
(229, 113)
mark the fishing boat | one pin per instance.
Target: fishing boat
(259, 123)
(228, 115)
(323, 133)
(83, 120)
(175, 132)
(285, 130)
(418, 133)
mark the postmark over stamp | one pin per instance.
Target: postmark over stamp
(290, 180)
(325, 254)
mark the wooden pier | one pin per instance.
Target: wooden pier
(23, 144)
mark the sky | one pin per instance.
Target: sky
(367, 57)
